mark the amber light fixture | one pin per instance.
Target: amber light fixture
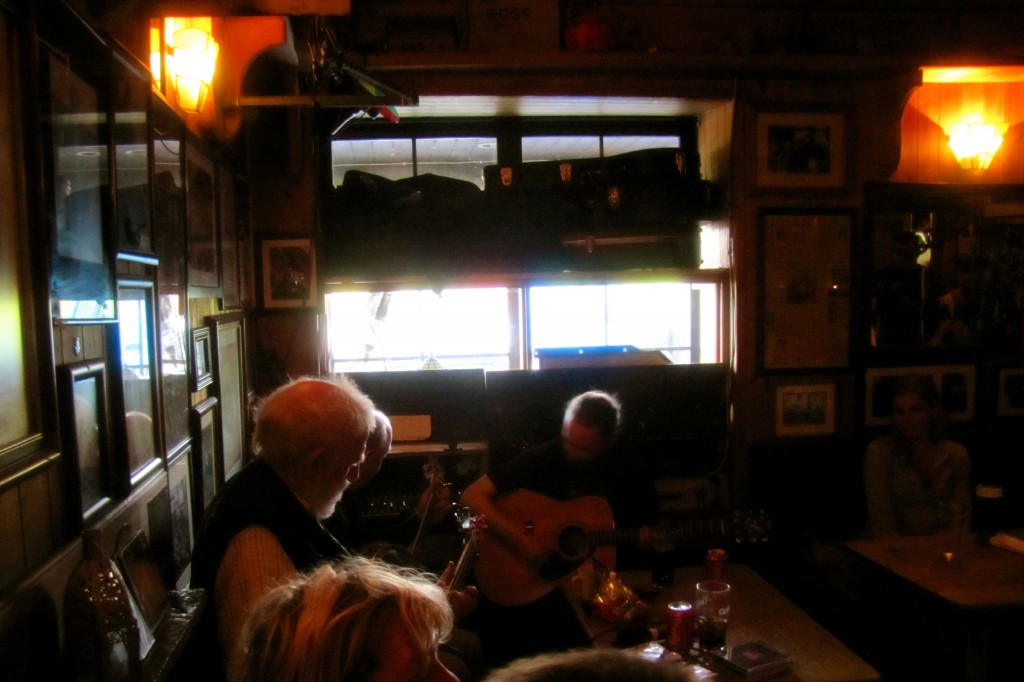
(974, 142)
(183, 59)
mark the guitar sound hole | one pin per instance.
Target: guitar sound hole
(573, 543)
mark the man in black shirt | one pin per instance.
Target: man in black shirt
(587, 460)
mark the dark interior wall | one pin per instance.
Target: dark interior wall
(677, 414)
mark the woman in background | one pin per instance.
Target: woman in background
(916, 481)
(360, 620)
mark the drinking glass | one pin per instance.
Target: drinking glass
(713, 604)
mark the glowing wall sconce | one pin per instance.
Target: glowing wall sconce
(974, 141)
(183, 57)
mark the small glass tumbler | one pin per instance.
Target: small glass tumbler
(712, 606)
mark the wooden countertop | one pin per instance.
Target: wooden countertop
(952, 566)
(759, 611)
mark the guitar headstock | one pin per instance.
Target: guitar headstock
(470, 525)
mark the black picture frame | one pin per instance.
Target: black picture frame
(138, 372)
(288, 272)
(130, 98)
(201, 367)
(85, 440)
(76, 139)
(207, 468)
(168, 190)
(801, 150)
(201, 221)
(182, 503)
(804, 292)
(143, 576)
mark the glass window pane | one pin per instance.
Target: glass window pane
(463, 158)
(553, 148)
(620, 144)
(419, 329)
(391, 159)
(649, 316)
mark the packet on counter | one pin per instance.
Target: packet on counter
(615, 601)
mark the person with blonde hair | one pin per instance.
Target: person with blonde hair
(916, 481)
(360, 620)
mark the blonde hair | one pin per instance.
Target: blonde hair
(308, 413)
(327, 625)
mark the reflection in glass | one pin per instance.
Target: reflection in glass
(81, 281)
(135, 311)
(131, 95)
(169, 242)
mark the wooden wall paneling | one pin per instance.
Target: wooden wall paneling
(12, 559)
(41, 537)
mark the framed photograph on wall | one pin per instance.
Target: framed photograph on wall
(138, 371)
(804, 288)
(85, 437)
(227, 331)
(77, 140)
(288, 272)
(805, 409)
(201, 369)
(955, 383)
(180, 486)
(1010, 400)
(801, 150)
(207, 473)
(201, 219)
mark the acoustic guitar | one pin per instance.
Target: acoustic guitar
(577, 530)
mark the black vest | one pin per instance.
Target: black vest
(256, 496)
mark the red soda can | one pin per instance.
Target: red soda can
(714, 567)
(679, 626)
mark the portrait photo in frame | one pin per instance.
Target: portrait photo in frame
(181, 501)
(288, 272)
(201, 368)
(201, 219)
(955, 383)
(804, 288)
(805, 409)
(801, 150)
(1010, 399)
(85, 436)
(207, 472)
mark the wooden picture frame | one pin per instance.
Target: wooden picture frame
(85, 439)
(77, 150)
(804, 288)
(182, 501)
(130, 94)
(288, 273)
(142, 574)
(801, 150)
(1010, 395)
(956, 385)
(805, 409)
(207, 470)
(201, 220)
(168, 189)
(138, 374)
(201, 367)
(227, 332)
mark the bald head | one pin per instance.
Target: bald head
(313, 432)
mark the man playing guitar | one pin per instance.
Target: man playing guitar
(587, 461)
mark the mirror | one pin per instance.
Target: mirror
(947, 267)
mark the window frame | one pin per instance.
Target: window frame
(521, 352)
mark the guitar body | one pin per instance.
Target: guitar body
(563, 527)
